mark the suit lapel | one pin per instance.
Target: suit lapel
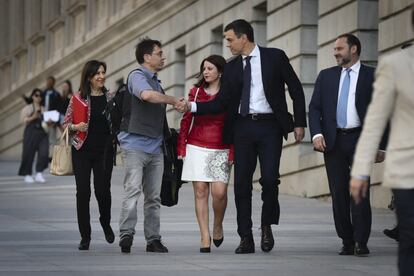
(335, 82)
(360, 82)
(265, 69)
(238, 71)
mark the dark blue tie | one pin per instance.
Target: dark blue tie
(247, 77)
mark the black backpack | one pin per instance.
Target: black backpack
(114, 108)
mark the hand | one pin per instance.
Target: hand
(299, 134)
(49, 122)
(231, 162)
(319, 144)
(380, 156)
(181, 105)
(180, 157)
(83, 127)
(36, 114)
(358, 189)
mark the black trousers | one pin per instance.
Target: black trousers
(84, 162)
(352, 222)
(34, 140)
(404, 204)
(263, 139)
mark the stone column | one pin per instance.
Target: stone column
(292, 27)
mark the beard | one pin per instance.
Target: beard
(343, 60)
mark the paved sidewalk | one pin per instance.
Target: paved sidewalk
(39, 236)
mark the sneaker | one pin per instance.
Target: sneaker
(28, 179)
(39, 178)
(156, 246)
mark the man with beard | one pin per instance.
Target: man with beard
(336, 114)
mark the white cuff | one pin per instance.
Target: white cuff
(316, 136)
(193, 107)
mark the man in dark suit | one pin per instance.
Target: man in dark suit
(51, 100)
(253, 94)
(336, 115)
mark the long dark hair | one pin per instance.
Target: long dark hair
(218, 61)
(89, 70)
(29, 99)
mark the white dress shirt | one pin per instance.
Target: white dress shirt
(352, 118)
(257, 101)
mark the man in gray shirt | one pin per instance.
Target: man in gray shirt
(143, 128)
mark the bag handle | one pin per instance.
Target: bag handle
(65, 135)
(195, 100)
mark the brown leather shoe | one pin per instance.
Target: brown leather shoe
(267, 241)
(246, 246)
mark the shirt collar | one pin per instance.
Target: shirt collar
(255, 52)
(354, 68)
(149, 73)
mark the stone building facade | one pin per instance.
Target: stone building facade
(56, 37)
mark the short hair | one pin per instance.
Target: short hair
(352, 40)
(240, 27)
(52, 78)
(145, 47)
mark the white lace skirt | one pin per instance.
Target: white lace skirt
(207, 165)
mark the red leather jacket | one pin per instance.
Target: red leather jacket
(206, 130)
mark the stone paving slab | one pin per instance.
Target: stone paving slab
(39, 236)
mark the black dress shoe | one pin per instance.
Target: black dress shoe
(361, 249)
(157, 247)
(392, 233)
(84, 244)
(347, 249)
(246, 246)
(109, 234)
(125, 243)
(267, 241)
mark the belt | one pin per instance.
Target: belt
(348, 130)
(260, 116)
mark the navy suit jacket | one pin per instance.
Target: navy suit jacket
(322, 108)
(276, 72)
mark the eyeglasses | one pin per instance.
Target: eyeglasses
(36, 95)
(158, 54)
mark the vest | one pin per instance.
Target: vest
(143, 118)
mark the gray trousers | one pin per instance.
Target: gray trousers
(143, 174)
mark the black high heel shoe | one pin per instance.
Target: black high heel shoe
(205, 249)
(84, 244)
(218, 242)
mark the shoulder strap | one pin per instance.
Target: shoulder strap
(126, 82)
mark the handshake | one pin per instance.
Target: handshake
(181, 105)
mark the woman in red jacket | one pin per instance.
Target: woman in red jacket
(206, 159)
(92, 151)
